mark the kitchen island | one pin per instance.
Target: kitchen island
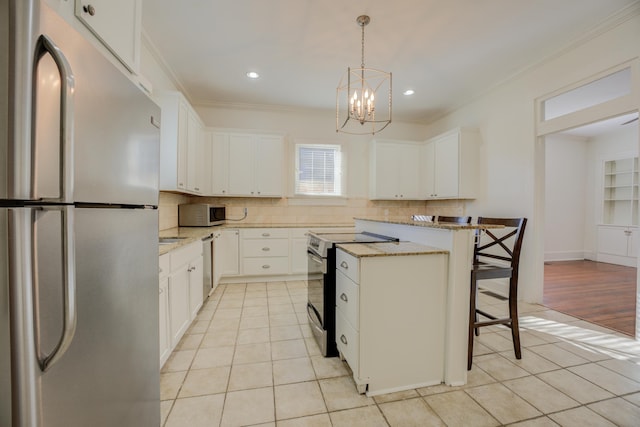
(390, 308)
(458, 240)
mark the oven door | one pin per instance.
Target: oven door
(317, 269)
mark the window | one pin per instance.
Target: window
(318, 170)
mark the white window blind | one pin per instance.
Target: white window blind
(318, 170)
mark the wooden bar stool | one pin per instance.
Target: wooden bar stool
(495, 256)
(454, 219)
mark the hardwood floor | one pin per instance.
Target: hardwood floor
(601, 293)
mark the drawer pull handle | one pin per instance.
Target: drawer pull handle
(266, 266)
(344, 265)
(344, 298)
(266, 249)
(266, 234)
(344, 340)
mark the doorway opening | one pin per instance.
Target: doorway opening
(592, 222)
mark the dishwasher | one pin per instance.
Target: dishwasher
(207, 255)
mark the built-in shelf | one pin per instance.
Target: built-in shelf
(620, 192)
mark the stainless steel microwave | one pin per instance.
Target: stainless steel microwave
(200, 215)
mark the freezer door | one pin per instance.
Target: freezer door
(78, 128)
(115, 125)
(109, 375)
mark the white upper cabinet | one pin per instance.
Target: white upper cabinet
(241, 165)
(394, 170)
(450, 165)
(269, 166)
(117, 24)
(183, 147)
(219, 163)
(246, 164)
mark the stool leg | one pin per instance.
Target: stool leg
(473, 316)
(515, 324)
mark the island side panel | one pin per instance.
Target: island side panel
(459, 243)
(457, 313)
(402, 309)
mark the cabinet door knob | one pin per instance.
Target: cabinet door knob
(266, 234)
(343, 339)
(266, 266)
(89, 9)
(344, 298)
(344, 264)
(266, 249)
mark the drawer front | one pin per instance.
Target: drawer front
(348, 341)
(265, 233)
(348, 265)
(265, 247)
(266, 266)
(186, 254)
(347, 299)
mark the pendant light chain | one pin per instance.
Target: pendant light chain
(362, 26)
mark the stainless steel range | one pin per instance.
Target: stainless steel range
(321, 279)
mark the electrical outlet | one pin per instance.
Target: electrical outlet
(386, 212)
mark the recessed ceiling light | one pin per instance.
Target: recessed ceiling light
(253, 75)
(408, 92)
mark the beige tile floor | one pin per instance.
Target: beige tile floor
(249, 360)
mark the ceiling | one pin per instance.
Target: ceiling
(447, 51)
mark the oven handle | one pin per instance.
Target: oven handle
(314, 316)
(318, 260)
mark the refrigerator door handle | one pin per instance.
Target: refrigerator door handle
(67, 83)
(69, 293)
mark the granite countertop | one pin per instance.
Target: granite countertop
(430, 224)
(360, 250)
(188, 235)
(192, 234)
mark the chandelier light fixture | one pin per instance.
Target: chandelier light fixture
(363, 97)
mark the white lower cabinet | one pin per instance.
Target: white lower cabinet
(196, 279)
(180, 294)
(265, 251)
(226, 258)
(178, 303)
(618, 245)
(390, 320)
(164, 336)
(298, 251)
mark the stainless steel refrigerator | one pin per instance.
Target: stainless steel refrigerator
(79, 159)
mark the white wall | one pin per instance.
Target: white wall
(566, 200)
(511, 172)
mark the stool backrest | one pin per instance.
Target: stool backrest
(501, 244)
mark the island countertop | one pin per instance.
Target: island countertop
(360, 250)
(429, 224)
